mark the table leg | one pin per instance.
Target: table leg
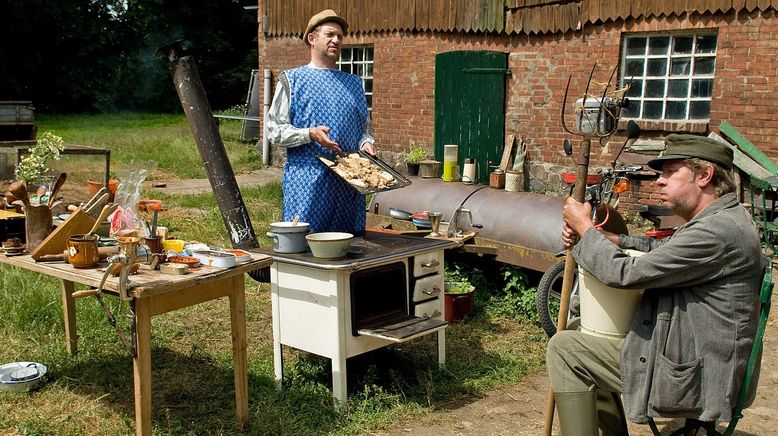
(239, 359)
(278, 350)
(442, 347)
(69, 312)
(141, 364)
(339, 380)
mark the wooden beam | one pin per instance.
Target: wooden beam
(748, 147)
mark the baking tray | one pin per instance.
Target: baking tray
(402, 181)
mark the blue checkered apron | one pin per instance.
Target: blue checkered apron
(324, 97)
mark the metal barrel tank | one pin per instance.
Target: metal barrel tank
(524, 227)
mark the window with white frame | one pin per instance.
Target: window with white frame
(359, 60)
(671, 76)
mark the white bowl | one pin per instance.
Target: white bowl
(329, 245)
(21, 376)
(216, 259)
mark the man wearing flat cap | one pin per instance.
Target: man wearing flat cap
(318, 110)
(686, 352)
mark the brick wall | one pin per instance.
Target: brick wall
(745, 83)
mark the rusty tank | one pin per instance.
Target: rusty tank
(523, 228)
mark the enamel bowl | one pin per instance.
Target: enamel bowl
(329, 245)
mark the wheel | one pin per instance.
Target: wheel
(548, 297)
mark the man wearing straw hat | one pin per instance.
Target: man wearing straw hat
(686, 352)
(319, 110)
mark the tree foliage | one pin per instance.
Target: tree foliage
(99, 55)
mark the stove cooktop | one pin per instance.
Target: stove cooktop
(373, 247)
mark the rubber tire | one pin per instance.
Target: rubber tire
(550, 290)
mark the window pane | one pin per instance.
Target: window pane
(636, 46)
(675, 110)
(681, 66)
(635, 88)
(359, 54)
(706, 44)
(369, 99)
(369, 54)
(369, 72)
(702, 87)
(368, 85)
(652, 110)
(655, 88)
(658, 45)
(634, 68)
(358, 69)
(656, 67)
(699, 110)
(704, 65)
(345, 54)
(346, 68)
(631, 111)
(678, 88)
(682, 45)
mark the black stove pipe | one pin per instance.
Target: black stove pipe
(210, 145)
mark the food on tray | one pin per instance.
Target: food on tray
(360, 171)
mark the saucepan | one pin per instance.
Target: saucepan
(288, 236)
(400, 214)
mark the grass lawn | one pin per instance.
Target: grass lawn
(193, 391)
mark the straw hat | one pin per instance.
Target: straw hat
(321, 18)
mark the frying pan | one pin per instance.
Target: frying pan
(400, 214)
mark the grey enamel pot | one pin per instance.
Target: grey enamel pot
(289, 237)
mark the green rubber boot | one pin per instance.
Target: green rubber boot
(610, 414)
(577, 413)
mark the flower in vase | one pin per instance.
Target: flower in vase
(33, 166)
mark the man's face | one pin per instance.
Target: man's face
(327, 41)
(679, 188)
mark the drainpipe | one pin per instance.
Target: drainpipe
(210, 145)
(265, 110)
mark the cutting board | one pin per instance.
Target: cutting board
(57, 241)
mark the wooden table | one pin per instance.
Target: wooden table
(154, 294)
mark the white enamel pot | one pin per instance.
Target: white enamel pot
(289, 237)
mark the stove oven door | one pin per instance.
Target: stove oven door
(379, 305)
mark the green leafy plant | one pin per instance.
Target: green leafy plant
(457, 280)
(33, 166)
(415, 153)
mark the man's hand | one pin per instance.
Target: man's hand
(319, 134)
(369, 148)
(578, 220)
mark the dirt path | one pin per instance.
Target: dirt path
(518, 410)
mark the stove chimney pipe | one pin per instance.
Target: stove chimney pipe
(210, 145)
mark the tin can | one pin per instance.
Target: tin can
(497, 179)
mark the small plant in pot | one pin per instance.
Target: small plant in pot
(414, 155)
(458, 295)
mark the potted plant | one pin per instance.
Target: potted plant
(414, 155)
(31, 171)
(458, 296)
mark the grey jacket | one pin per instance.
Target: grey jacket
(687, 350)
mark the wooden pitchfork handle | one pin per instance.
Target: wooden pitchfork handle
(579, 195)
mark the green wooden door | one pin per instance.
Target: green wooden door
(470, 106)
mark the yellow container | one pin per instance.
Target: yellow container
(173, 244)
(450, 163)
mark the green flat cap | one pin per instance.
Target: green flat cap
(690, 146)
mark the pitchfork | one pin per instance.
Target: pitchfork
(600, 128)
